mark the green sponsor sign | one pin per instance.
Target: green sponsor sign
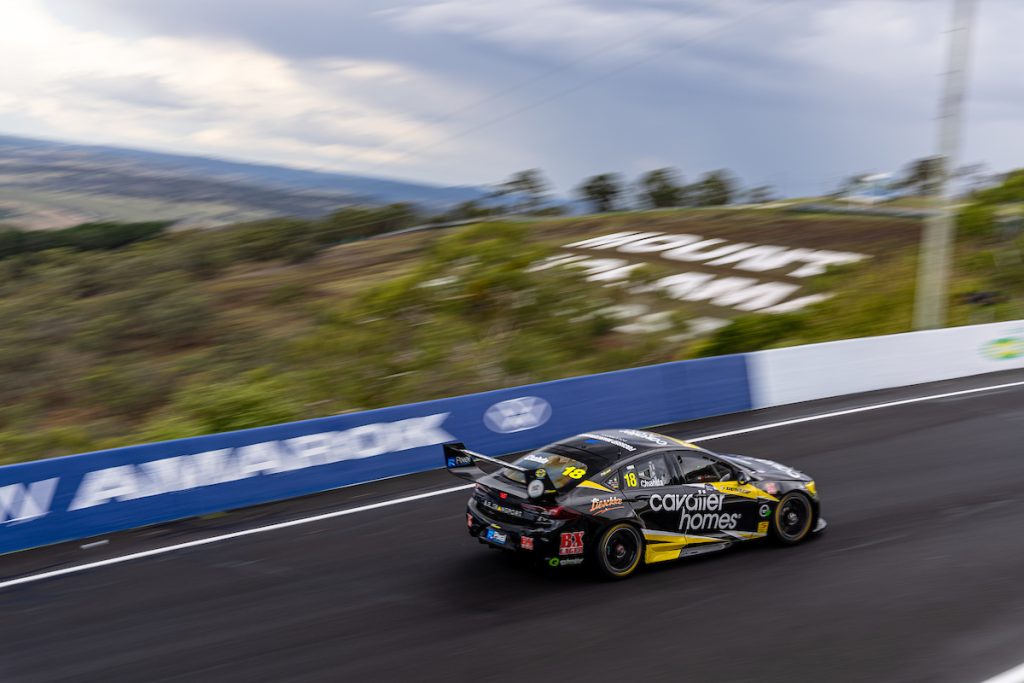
(1004, 348)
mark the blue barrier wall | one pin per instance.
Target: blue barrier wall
(78, 496)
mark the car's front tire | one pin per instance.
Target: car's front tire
(618, 551)
(793, 519)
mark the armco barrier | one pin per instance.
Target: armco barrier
(850, 366)
(78, 496)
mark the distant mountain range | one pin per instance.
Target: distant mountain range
(46, 184)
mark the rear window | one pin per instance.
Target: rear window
(563, 470)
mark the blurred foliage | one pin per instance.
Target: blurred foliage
(183, 333)
(194, 332)
(473, 316)
(85, 237)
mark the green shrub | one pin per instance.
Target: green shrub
(752, 333)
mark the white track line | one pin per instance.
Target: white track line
(851, 411)
(31, 578)
(1014, 675)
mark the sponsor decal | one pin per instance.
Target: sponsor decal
(503, 509)
(697, 511)
(647, 436)
(517, 414)
(649, 483)
(540, 474)
(770, 487)
(571, 561)
(762, 527)
(460, 461)
(765, 510)
(1004, 348)
(615, 442)
(537, 458)
(25, 502)
(574, 472)
(553, 562)
(184, 472)
(526, 543)
(601, 505)
(571, 543)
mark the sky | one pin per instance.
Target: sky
(796, 94)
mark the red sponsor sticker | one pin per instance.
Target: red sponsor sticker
(469, 520)
(572, 543)
(526, 543)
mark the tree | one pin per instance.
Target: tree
(470, 209)
(921, 175)
(716, 188)
(528, 190)
(601, 191)
(760, 194)
(660, 188)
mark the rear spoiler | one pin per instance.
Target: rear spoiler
(462, 462)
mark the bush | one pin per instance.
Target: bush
(976, 221)
(752, 333)
(255, 399)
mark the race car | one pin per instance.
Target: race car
(616, 499)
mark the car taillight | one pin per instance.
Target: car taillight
(559, 512)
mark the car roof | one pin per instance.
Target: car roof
(614, 445)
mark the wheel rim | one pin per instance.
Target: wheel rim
(621, 550)
(794, 517)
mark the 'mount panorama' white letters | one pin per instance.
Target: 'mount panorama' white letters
(715, 252)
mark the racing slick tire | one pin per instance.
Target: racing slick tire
(618, 551)
(793, 519)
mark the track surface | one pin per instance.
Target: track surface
(920, 577)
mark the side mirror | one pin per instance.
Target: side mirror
(742, 477)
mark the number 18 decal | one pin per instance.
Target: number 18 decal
(574, 472)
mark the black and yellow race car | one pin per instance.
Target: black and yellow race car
(614, 499)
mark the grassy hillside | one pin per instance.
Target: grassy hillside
(201, 331)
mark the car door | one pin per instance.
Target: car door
(713, 505)
(645, 483)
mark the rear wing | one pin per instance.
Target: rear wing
(462, 462)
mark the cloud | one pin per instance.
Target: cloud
(224, 98)
(795, 93)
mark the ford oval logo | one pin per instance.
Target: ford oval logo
(517, 414)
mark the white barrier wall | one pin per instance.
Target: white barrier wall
(806, 373)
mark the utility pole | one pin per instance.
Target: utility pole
(937, 239)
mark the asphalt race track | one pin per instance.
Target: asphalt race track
(920, 577)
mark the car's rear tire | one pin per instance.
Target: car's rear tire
(793, 519)
(618, 551)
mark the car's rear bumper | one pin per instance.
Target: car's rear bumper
(539, 544)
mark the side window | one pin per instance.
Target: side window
(696, 469)
(645, 474)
